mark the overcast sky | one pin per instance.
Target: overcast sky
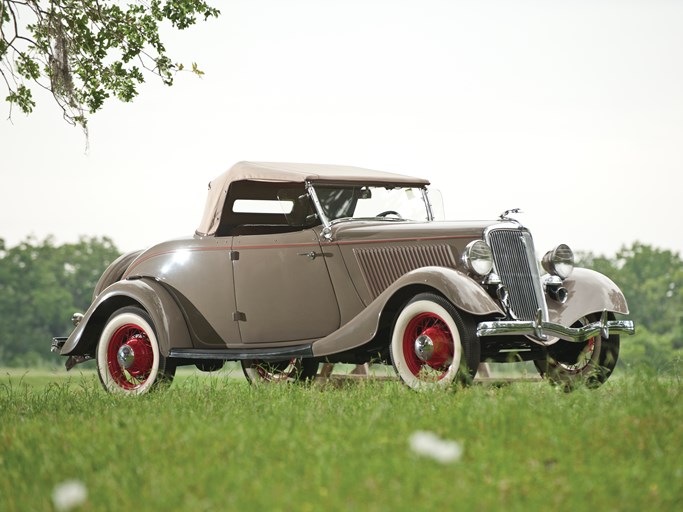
(572, 111)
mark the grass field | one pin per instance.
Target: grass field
(216, 443)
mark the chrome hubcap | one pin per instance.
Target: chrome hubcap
(424, 348)
(126, 356)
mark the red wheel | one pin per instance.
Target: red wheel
(428, 345)
(128, 356)
(291, 370)
(432, 344)
(591, 362)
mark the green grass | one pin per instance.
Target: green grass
(216, 443)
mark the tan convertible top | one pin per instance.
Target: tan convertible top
(290, 172)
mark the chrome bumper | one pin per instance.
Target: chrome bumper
(542, 331)
(57, 344)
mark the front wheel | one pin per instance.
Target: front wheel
(591, 362)
(289, 370)
(128, 357)
(433, 345)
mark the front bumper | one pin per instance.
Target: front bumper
(546, 333)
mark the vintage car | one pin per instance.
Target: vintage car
(298, 264)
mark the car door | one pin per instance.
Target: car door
(282, 288)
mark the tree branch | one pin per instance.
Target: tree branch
(88, 50)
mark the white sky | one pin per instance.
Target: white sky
(572, 111)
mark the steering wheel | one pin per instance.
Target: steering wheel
(389, 212)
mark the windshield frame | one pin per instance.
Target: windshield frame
(327, 223)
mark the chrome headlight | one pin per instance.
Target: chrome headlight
(478, 257)
(559, 262)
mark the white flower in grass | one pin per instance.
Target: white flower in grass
(430, 445)
(69, 494)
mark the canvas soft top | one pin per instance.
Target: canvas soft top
(290, 172)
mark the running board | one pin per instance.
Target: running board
(266, 354)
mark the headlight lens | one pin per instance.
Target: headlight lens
(559, 261)
(478, 257)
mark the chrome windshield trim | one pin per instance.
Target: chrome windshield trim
(540, 330)
(327, 230)
(428, 204)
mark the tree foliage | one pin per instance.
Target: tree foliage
(41, 286)
(85, 51)
(652, 281)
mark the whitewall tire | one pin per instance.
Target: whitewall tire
(432, 344)
(128, 357)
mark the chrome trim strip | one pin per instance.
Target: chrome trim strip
(509, 224)
(539, 330)
(535, 272)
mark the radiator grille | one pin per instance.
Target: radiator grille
(381, 266)
(515, 263)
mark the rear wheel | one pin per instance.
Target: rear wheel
(433, 345)
(289, 370)
(591, 362)
(128, 357)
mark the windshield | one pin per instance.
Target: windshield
(371, 202)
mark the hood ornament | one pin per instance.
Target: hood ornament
(504, 215)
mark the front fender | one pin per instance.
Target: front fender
(589, 292)
(166, 316)
(464, 292)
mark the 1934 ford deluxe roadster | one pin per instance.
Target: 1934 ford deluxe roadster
(297, 264)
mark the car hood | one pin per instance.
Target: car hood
(368, 231)
(377, 253)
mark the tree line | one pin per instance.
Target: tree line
(42, 284)
(652, 281)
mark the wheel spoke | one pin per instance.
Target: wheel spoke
(288, 370)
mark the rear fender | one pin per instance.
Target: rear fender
(114, 272)
(589, 292)
(166, 316)
(464, 292)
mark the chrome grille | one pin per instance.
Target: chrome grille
(514, 261)
(381, 266)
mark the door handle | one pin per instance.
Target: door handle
(311, 254)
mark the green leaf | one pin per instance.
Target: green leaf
(86, 51)
(196, 70)
(22, 98)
